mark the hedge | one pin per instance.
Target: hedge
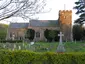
(26, 57)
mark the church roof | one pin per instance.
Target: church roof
(43, 23)
(19, 25)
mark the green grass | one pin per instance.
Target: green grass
(46, 46)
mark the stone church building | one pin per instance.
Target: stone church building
(63, 24)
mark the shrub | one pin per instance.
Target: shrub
(26, 57)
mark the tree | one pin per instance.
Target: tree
(78, 32)
(30, 34)
(20, 8)
(51, 35)
(46, 34)
(80, 6)
(83, 1)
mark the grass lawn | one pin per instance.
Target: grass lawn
(45, 46)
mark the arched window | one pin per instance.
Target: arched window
(38, 34)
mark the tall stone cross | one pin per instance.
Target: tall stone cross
(61, 35)
(60, 47)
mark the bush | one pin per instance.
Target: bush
(26, 57)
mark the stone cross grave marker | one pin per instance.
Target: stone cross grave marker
(60, 47)
(61, 35)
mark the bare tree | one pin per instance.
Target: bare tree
(20, 8)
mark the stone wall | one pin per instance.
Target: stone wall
(19, 33)
(41, 31)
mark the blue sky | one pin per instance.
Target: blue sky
(55, 6)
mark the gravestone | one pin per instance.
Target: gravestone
(60, 47)
(19, 47)
(31, 43)
(13, 36)
(14, 46)
(4, 46)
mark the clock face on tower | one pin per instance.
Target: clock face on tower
(8, 7)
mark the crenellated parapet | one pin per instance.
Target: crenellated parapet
(65, 16)
(67, 11)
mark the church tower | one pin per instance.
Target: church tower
(65, 20)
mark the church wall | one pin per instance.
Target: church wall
(19, 33)
(41, 31)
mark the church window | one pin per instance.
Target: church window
(37, 34)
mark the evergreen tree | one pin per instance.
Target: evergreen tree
(80, 11)
(78, 32)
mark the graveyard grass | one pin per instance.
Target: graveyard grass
(47, 46)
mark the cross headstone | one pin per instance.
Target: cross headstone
(60, 47)
(61, 35)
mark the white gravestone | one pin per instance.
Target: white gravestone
(4, 45)
(13, 36)
(19, 47)
(60, 47)
(61, 35)
(14, 46)
(31, 43)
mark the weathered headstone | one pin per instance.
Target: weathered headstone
(13, 36)
(31, 43)
(4, 46)
(60, 47)
(75, 41)
(19, 47)
(14, 46)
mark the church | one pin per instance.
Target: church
(63, 24)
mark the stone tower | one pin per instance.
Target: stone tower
(65, 20)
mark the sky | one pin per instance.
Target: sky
(54, 6)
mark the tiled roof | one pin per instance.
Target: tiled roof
(43, 23)
(19, 25)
